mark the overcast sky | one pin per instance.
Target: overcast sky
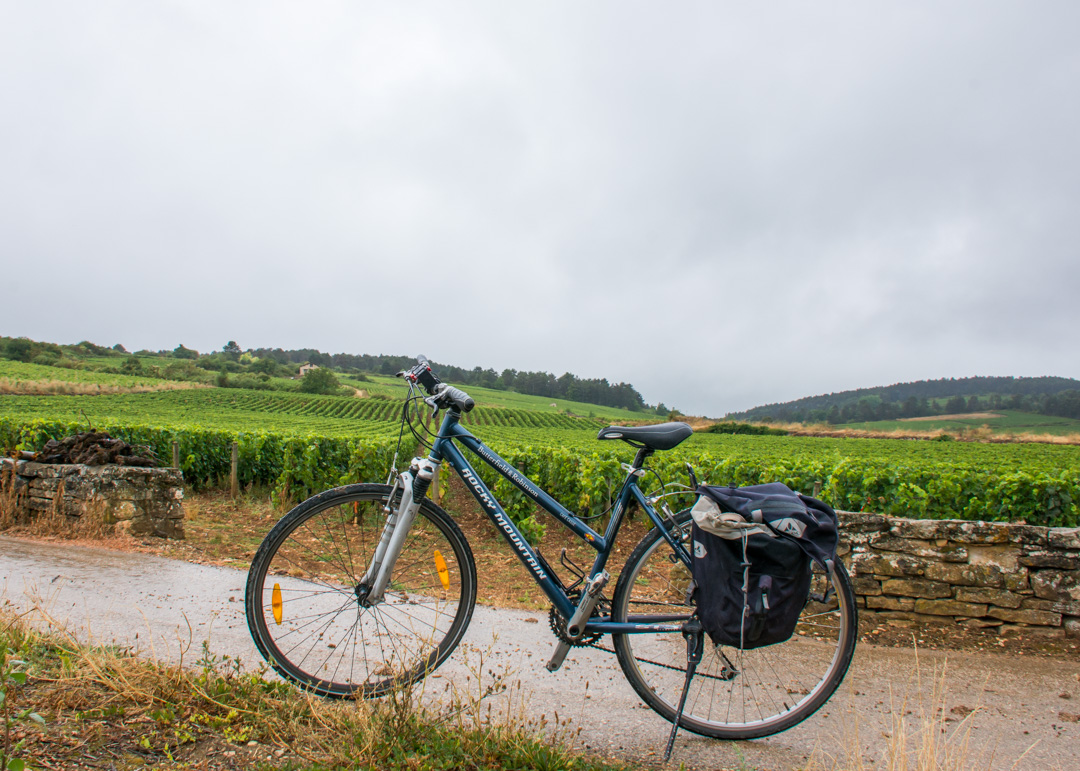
(725, 204)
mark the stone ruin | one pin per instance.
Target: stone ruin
(107, 473)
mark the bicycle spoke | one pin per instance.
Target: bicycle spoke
(763, 690)
(368, 649)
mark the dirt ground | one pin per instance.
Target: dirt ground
(221, 531)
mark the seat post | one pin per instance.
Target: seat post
(643, 454)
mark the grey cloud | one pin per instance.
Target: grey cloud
(840, 196)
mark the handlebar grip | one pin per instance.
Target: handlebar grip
(455, 396)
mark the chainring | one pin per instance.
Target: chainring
(558, 623)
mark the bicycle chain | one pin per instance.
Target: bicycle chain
(558, 625)
(668, 666)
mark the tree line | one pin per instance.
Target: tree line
(567, 386)
(926, 398)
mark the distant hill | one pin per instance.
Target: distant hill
(268, 369)
(923, 398)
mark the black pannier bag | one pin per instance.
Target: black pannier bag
(752, 553)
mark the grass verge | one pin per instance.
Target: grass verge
(104, 707)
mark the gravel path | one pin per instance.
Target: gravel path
(1025, 708)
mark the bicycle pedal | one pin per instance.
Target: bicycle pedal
(558, 656)
(575, 627)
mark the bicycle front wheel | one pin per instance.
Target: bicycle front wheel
(303, 596)
(735, 694)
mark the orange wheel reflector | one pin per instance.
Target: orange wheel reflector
(275, 601)
(444, 573)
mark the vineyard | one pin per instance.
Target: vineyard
(274, 411)
(393, 388)
(25, 372)
(299, 444)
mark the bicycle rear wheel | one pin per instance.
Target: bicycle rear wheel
(735, 694)
(304, 609)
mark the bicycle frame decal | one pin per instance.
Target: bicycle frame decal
(493, 508)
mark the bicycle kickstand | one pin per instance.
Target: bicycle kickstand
(695, 644)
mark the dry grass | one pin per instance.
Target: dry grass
(976, 434)
(9, 500)
(924, 734)
(956, 416)
(92, 524)
(105, 707)
(62, 387)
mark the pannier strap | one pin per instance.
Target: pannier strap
(806, 521)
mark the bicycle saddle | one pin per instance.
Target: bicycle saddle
(659, 437)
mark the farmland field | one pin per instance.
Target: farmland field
(395, 388)
(303, 443)
(999, 421)
(18, 371)
(242, 410)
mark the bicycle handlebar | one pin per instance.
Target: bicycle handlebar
(443, 395)
(458, 398)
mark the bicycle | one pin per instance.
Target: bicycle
(368, 587)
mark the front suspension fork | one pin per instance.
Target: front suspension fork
(414, 485)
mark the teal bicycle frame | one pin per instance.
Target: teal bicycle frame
(445, 449)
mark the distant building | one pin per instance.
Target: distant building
(306, 368)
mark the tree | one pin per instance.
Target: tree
(19, 349)
(265, 365)
(232, 350)
(180, 352)
(319, 381)
(119, 348)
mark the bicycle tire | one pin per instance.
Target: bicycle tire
(303, 610)
(772, 689)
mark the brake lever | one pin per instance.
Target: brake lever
(431, 402)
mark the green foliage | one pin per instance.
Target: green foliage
(306, 443)
(947, 396)
(320, 381)
(19, 371)
(733, 427)
(180, 352)
(19, 349)
(12, 679)
(267, 366)
(94, 349)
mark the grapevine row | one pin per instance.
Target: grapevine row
(1018, 482)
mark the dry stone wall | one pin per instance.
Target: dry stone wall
(1019, 578)
(142, 501)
